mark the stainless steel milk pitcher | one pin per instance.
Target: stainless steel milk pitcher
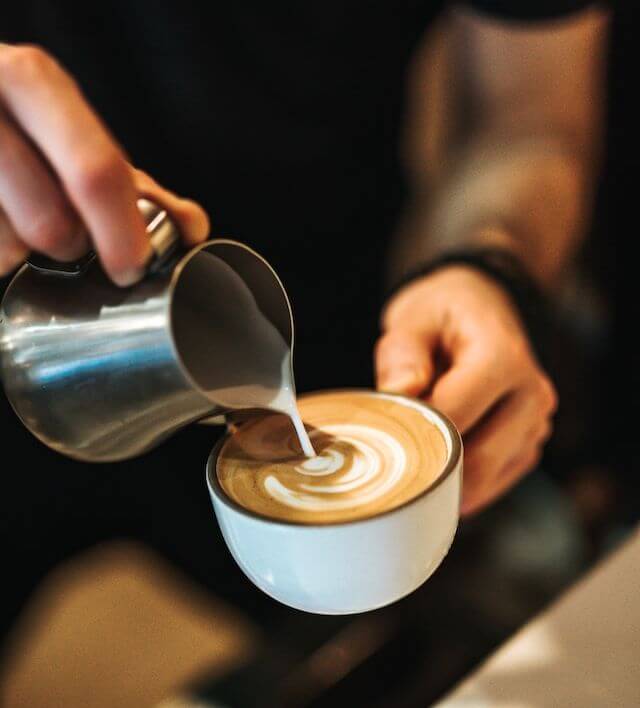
(101, 373)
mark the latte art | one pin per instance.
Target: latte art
(370, 467)
(373, 454)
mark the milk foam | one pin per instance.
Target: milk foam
(377, 465)
(373, 453)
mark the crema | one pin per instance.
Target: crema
(374, 453)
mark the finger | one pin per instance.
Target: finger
(12, 250)
(33, 201)
(191, 218)
(522, 464)
(51, 110)
(404, 362)
(512, 472)
(517, 425)
(471, 386)
(543, 432)
(517, 422)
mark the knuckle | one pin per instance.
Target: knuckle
(552, 397)
(495, 369)
(547, 394)
(478, 462)
(526, 463)
(24, 63)
(507, 356)
(516, 353)
(532, 461)
(101, 175)
(546, 432)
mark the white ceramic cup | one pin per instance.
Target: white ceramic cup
(351, 566)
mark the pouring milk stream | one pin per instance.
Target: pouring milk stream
(101, 373)
(248, 345)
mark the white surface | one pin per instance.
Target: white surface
(583, 651)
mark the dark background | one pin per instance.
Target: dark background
(306, 170)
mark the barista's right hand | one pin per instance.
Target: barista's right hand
(63, 176)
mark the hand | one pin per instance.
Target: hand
(455, 339)
(64, 181)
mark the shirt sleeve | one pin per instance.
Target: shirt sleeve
(530, 10)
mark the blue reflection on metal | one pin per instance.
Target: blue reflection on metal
(49, 373)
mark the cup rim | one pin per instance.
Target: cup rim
(450, 466)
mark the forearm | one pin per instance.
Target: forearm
(519, 175)
(531, 197)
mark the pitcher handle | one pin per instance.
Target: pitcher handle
(163, 235)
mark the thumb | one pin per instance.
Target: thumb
(404, 362)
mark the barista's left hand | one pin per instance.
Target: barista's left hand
(455, 339)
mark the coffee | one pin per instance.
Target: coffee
(374, 453)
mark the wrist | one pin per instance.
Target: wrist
(504, 269)
(450, 283)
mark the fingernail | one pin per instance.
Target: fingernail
(400, 381)
(128, 277)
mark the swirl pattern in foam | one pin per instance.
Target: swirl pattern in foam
(375, 452)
